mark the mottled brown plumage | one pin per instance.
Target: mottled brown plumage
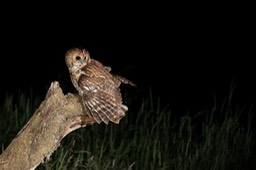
(99, 89)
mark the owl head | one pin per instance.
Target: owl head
(76, 58)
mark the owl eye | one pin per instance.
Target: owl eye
(78, 57)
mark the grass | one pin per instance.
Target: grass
(150, 137)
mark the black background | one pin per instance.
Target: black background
(184, 55)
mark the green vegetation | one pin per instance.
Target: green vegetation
(149, 137)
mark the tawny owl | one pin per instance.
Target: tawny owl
(99, 89)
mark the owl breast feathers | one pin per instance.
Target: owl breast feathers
(98, 88)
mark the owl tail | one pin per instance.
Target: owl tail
(123, 110)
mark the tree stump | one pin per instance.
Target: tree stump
(57, 116)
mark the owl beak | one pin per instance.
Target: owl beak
(73, 69)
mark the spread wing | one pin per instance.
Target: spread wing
(101, 95)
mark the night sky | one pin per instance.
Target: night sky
(184, 59)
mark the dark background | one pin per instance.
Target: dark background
(185, 56)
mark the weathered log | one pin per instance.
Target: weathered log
(57, 116)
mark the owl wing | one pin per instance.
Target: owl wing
(116, 78)
(101, 95)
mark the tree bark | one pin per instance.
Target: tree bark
(57, 116)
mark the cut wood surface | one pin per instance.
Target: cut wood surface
(57, 116)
